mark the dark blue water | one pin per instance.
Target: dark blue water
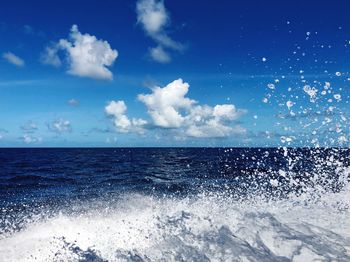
(180, 184)
(64, 174)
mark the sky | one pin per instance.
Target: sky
(123, 73)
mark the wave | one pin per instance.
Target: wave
(299, 212)
(205, 227)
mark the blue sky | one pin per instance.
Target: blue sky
(174, 73)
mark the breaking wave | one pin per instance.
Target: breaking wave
(208, 226)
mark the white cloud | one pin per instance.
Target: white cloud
(152, 15)
(165, 41)
(117, 110)
(87, 56)
(60, 126)
(227, 111)
(170, 108)
(154, 18)
(160, 55)
(206, 121)
(29, 139)
(13, 59)
(165, 103)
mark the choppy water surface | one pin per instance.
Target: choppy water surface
(175, 204)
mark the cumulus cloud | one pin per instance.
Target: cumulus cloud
(206, 121)
(60, 126)
(154, 19)
(13, 59)
(117, 110)
(29, 139)
(170, 108)
(87, 56)
(165, 103)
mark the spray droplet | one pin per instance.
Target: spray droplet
(289, 104)
(271, 86)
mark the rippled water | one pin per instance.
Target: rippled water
(174, 204)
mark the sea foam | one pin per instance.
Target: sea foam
(204, 227)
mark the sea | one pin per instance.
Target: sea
(174, 204)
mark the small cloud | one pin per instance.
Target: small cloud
(60, 126)
(117, 110)
(29, 139)
(73, 102)
(13, 59)
(2, 133)
(160, 55)
(87, 56)
(29, 127)
(154, 18)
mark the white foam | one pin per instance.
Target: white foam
(205, 227)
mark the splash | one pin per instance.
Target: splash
(267, 215)
(205, 227)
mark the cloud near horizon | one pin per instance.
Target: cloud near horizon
(170, 109)
(86, 55)
(29, 127)
(60, 126)
(117, 110)
(30, 139)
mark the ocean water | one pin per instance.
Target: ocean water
(175, 204)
